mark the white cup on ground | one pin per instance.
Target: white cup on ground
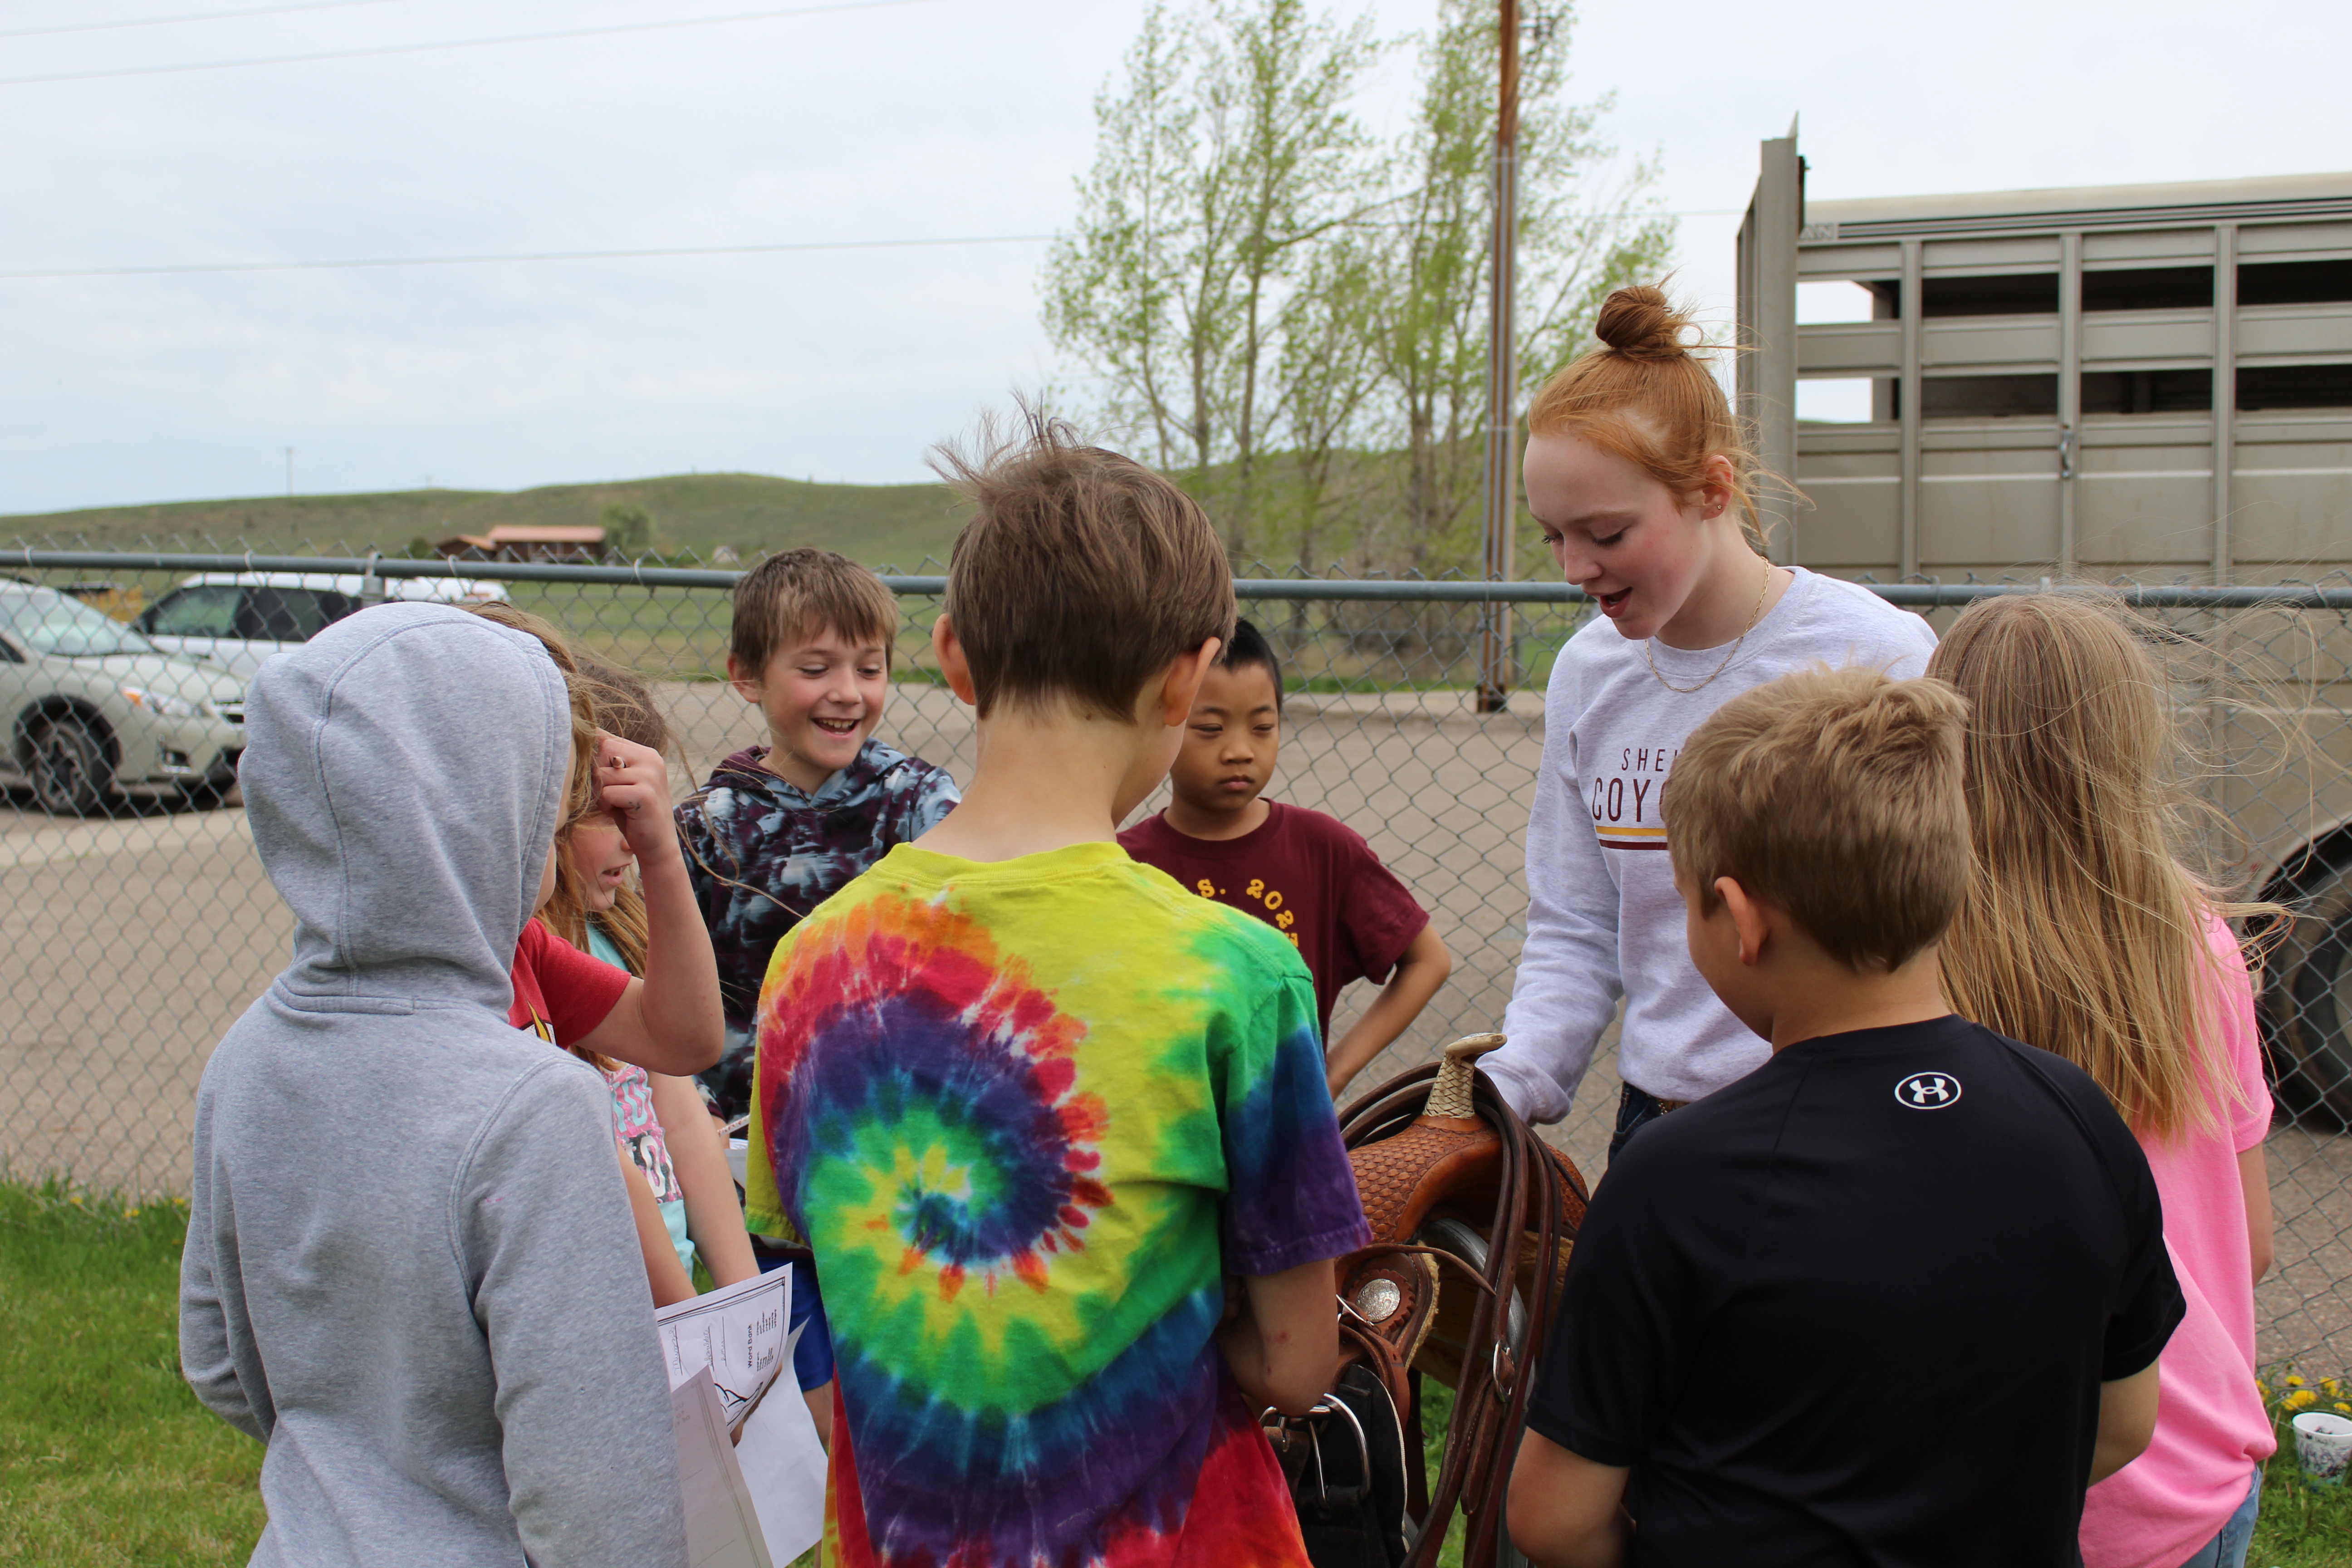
(2323, 1446)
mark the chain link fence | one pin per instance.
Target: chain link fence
(137, 923)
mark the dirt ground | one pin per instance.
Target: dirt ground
(128, 946)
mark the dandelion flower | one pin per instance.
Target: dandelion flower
(75, 1199)
(2301, 1399)
(129, 1214)
(2345, 1408)
(2333, 1388)
(2293, 1381)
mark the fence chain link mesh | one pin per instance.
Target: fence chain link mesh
(138, 922)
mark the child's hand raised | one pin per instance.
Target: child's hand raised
(632, 784)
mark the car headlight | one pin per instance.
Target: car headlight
(163, 704)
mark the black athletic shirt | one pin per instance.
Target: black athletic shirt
(1856, 1306)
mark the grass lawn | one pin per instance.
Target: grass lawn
(106, 1457)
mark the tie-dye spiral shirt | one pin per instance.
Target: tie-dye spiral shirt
(1029, 1115)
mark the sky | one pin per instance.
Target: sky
(668, 124)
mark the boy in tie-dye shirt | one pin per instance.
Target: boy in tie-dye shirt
(1034, 1106)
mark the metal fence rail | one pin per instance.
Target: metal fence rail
(133, 933)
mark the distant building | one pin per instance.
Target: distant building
(525, 542)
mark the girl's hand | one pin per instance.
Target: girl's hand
(632, 784)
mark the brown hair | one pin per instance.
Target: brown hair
(1646, 398)
(583, 720)
(580, 796)
(801, 593)
(2085, 931)
(1081, 574)
(623, 706)
(1835, 794)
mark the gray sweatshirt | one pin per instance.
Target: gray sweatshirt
(411, 1268)
(1603, 917)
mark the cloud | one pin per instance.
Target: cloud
(951, 117)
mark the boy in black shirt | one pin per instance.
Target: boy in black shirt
(1897, 1296)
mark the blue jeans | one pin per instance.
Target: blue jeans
(1635, 1110)
(2228, 1550)
(812, 1357)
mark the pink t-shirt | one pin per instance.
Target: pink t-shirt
(2210, 1428)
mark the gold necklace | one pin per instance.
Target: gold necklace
(1754, 615)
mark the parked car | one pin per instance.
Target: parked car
(234, 621)
(92, 705)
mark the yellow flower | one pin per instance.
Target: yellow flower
(2333, 1388)
(2345, 1408)
(129, 1214)
(76, 1198)
(2293, 1381)
(2301, 1399)
(2262, 1388)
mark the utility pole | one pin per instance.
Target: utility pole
(1501, 502)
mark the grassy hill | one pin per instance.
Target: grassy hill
(897, 525)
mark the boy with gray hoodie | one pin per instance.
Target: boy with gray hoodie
(410, 1268)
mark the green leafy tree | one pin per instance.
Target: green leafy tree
(628, 529)
(1292, 319)
(1578, 239)
(1230, 154)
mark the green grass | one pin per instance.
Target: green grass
(751, 514)
(105, 1455)
(2302, 1526)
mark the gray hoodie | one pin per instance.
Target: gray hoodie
(411, 1268)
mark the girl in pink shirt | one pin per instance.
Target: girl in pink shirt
(2086, 934)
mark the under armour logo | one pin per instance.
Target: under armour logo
(1927, 1092)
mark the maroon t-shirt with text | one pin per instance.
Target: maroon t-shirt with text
(1310, 877)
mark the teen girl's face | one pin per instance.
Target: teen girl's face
(600, 859)
(822, 697)
(1632, 544)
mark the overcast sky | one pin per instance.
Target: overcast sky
(918, 120)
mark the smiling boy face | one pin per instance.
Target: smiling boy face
(821, 694)
(1230, 742)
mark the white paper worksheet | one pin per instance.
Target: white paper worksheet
(722, 1528)
(736, 1344)
(738, 1332)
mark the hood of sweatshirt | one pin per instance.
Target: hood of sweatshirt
(403, 774)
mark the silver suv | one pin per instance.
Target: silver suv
(90, 705)
(234, 621)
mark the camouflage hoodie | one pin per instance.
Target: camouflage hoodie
(763, 853)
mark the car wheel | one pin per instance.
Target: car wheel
(205, 794)
(2307, 1004)
(69, 772)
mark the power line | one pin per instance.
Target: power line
(524, 256)
(462, 42)
(207, 17)
(351, 263)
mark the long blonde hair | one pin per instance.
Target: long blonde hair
(622, 705)
(2084, 928)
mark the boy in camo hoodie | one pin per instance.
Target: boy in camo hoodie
(778, 828)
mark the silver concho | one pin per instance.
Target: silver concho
(1379, 1300)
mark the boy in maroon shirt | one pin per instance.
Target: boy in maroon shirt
(1309, 876)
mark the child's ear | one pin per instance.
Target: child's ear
(743, 679)
(1182, 683)
(1747, 917)
(953, 666)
